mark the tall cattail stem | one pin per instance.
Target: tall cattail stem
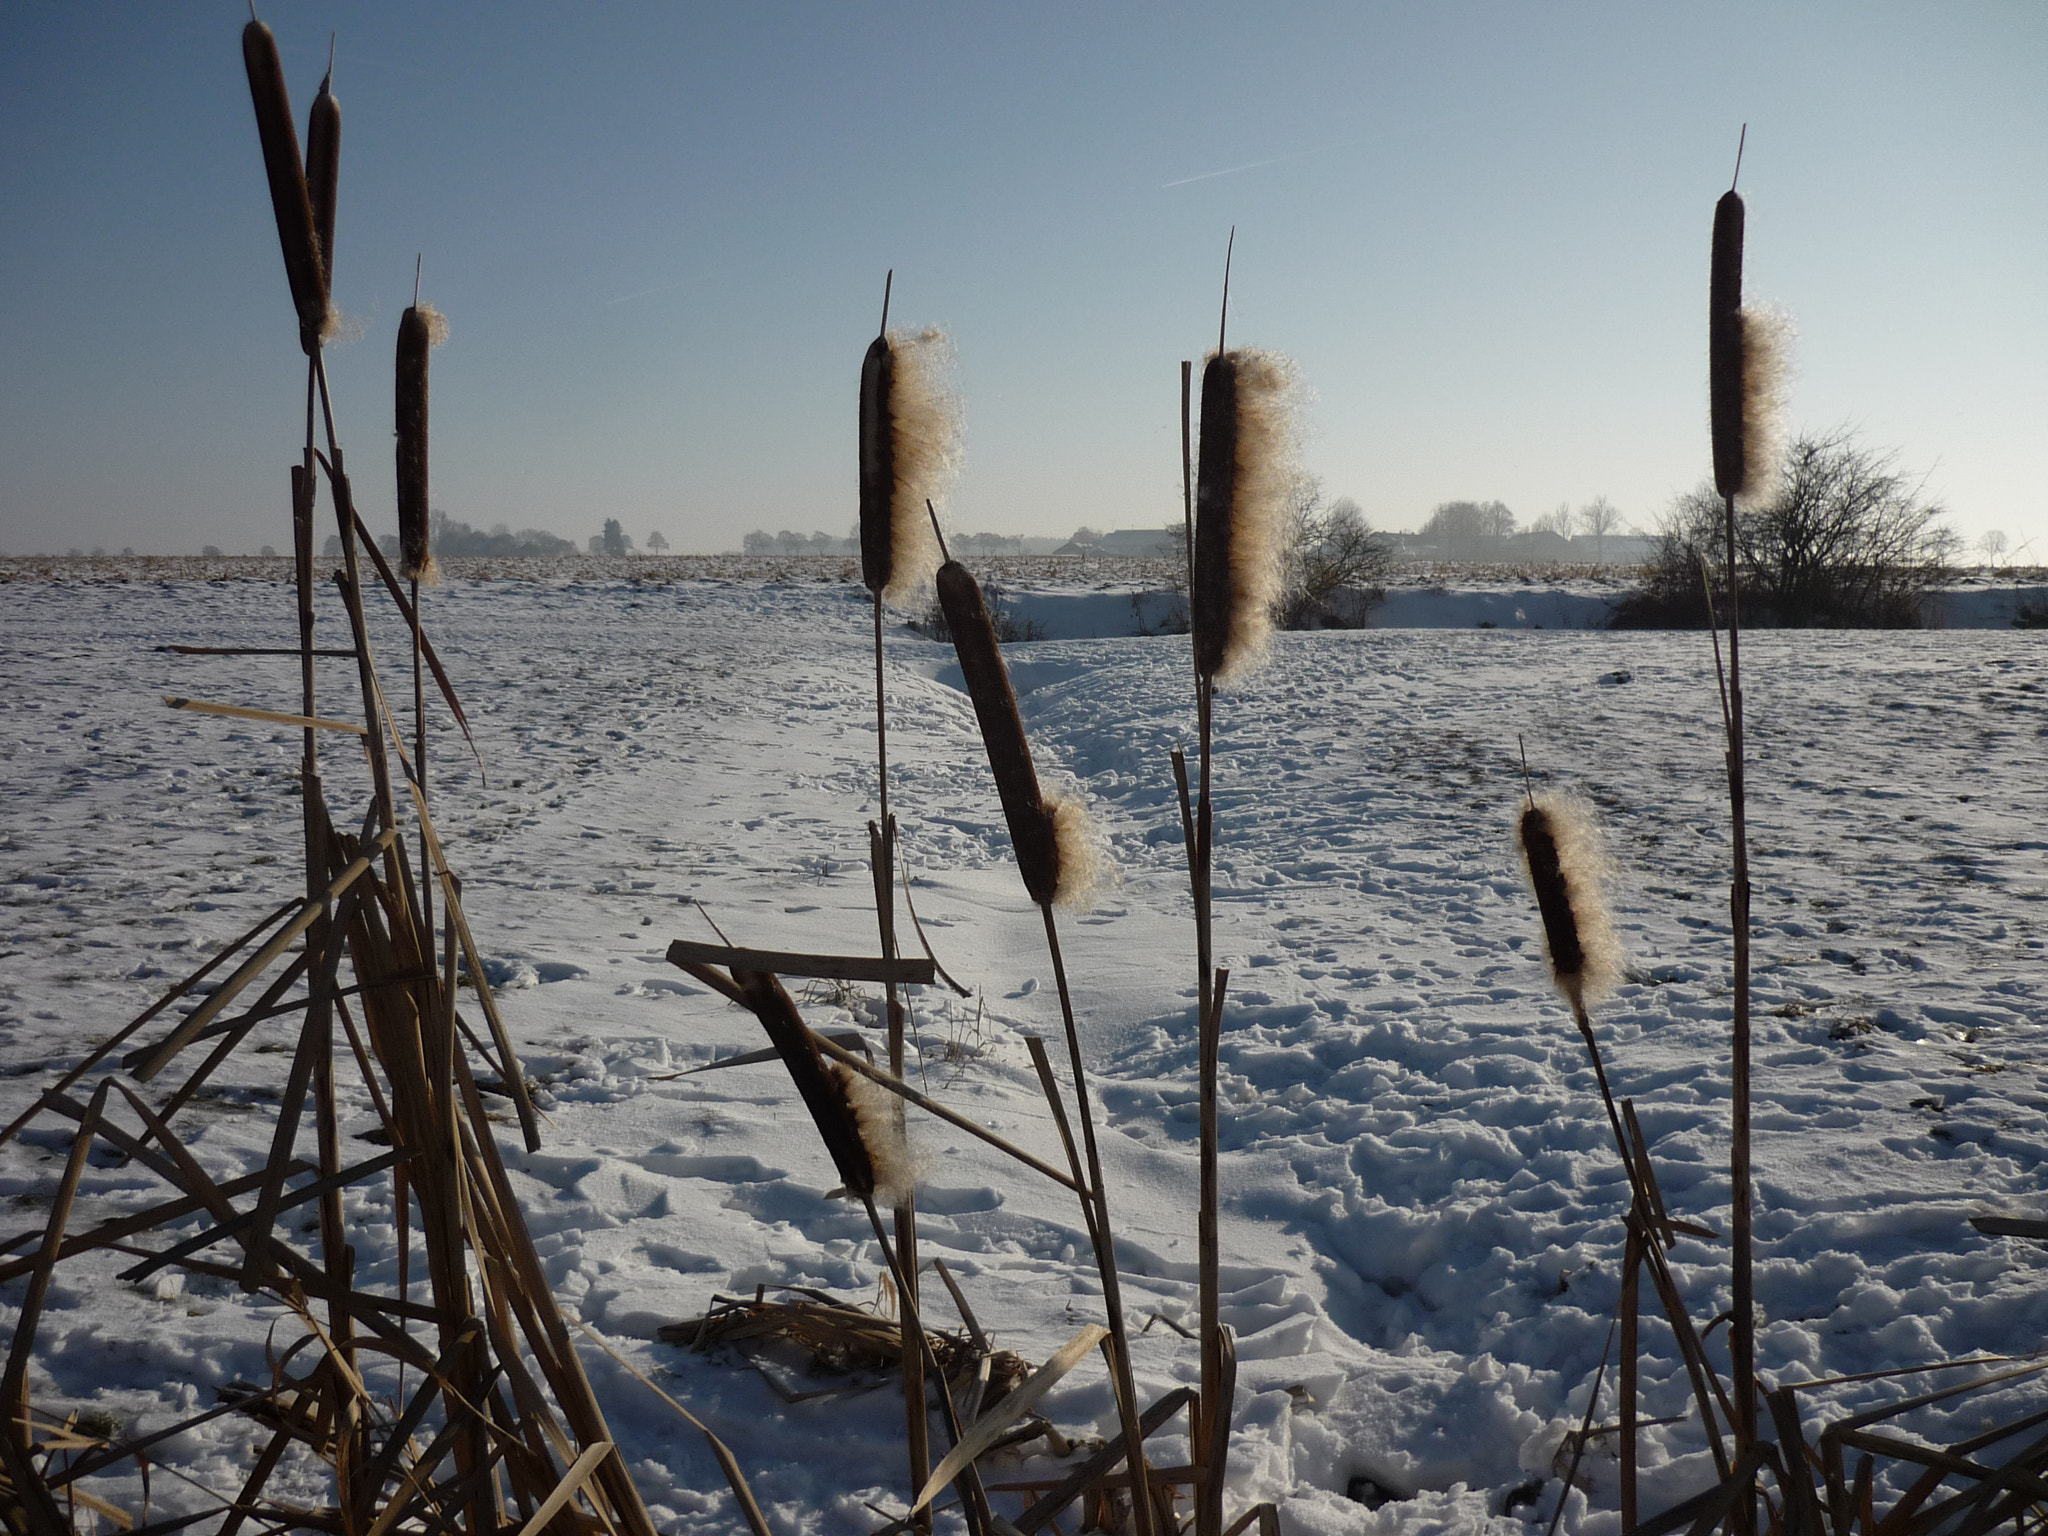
(1104, 1238)
(352, 593)
(419, 758)
(1742, 1332)
(1621, 1143)
(1211, 1447)
(881, 843)
(1215, 1447)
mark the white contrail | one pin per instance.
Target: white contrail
(1324, 149)
(627, 298)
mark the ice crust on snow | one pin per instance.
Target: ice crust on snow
(1422, 1219)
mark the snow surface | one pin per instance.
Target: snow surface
(1423, 1211)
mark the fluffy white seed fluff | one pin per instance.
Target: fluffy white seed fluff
(1767, 335)
(1085, 864)
(437, 325)
(924, 411)
(1268, 440)
(879, 1115)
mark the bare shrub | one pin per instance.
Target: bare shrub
(1848, 540)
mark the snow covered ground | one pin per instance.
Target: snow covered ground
(1422, 1220)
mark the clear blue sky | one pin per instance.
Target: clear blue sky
(659, 233)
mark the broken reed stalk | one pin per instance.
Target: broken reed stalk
(1738, 442)
(879, 559)
(1051, 866)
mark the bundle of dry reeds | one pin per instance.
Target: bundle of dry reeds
(468, 1406)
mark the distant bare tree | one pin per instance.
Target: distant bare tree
(656, 544)
(1599, 518)
(1560, 521)
(1991, 544)
(1468, 530)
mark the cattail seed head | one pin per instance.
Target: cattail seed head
(878, 1118)
(909, 452)
(420, 328)
(1561, 853)
(323, 176)
(1724, 345)
(1746, 360)
(289, 200)
(823, 1090)
(1243, 475)
(1032, 829)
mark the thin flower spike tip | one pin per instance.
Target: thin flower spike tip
(909, 452)
(1746, 348)
(419, 329)
(1562, 856)
(289, 200)
(323, 175)
(1244, 472)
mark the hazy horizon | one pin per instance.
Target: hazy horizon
(660, 234)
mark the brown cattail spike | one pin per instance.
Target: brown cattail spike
(1561, 852)
(415, 336)
(1725, 349)
(323, 174)
(1245, 475)
(1553, 896)
(288, 197)
(1032, 830)
(1215, 498)
(877, 465)
(823, 1092)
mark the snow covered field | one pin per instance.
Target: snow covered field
(1422, 1221)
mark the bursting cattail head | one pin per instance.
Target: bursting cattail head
(822, 1087)
(323, 176)
(1561, 853)
(878, 1119)
(1243, 478)
(1056, 853)
(289, 200)
(909, 451)
(1746, 369)
(420, 328)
